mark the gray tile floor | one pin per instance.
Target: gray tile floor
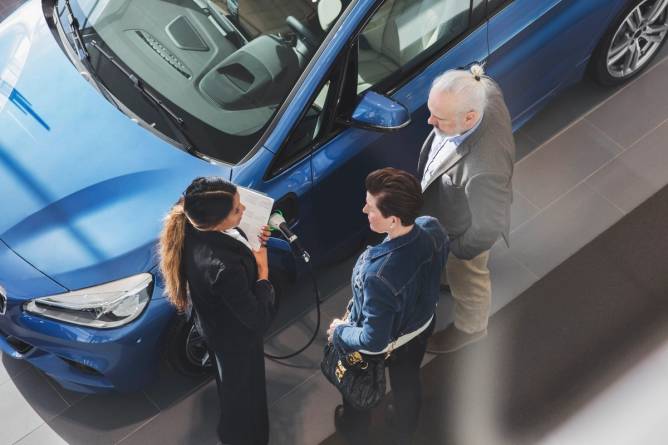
(7, 7)
(589, 158)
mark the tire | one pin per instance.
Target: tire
(632, 41)
(280, 282)
(185, 349)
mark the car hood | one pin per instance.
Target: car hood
(84, 188)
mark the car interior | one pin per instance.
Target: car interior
(401, 30)
(229, 64)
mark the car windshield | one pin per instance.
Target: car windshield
(222, 66)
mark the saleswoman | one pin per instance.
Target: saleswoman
(395, 289)
(204, 255)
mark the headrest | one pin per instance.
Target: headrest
(328, 11)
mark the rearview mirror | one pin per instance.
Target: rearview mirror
(378, 112)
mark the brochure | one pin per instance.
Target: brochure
(258, 209)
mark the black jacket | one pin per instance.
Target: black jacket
(233, 307)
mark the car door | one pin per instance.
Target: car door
(538, 45)
(287, 176)
(316, 167)
(398, 50)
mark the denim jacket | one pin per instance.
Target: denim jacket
(395, 288)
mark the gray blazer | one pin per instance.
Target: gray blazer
(471, 191)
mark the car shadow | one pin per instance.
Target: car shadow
(187, 401)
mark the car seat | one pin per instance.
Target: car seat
(401, 30)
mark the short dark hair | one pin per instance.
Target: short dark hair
(208, 201)
(397, 193)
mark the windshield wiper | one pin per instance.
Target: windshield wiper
(84, 55)
(174, 122)
(80, 47)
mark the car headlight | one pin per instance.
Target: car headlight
(108, 305)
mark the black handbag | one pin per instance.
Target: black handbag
(360, 378)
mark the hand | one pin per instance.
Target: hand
(262, 263)
(332, 326)
(264, 236)
(261, 254)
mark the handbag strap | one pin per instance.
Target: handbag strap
(391, 349)
(402, 340)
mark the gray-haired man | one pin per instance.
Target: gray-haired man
(466, 167)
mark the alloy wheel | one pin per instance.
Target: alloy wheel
(638, 38)
(196, 350)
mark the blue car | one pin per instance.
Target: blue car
(109, 109)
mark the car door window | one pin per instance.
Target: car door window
(494, 5)
(301, 139)
(402, 33)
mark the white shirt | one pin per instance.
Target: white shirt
(234, 233)
(441, 148)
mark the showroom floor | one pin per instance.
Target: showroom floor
(7, 7)
(588, 160)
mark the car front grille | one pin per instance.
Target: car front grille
(17, 344)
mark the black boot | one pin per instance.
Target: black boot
(354, 431)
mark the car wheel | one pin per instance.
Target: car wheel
(280, 283)
(631, 42)
(186, 349)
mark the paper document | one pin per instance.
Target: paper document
(258, 209)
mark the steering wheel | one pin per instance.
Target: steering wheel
(303, 33)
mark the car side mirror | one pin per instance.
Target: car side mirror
(378, 112)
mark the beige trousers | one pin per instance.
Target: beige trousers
(471, 289)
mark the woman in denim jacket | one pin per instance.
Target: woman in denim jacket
(395, 291)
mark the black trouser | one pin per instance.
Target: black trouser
(404, 367)
(242, 393)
